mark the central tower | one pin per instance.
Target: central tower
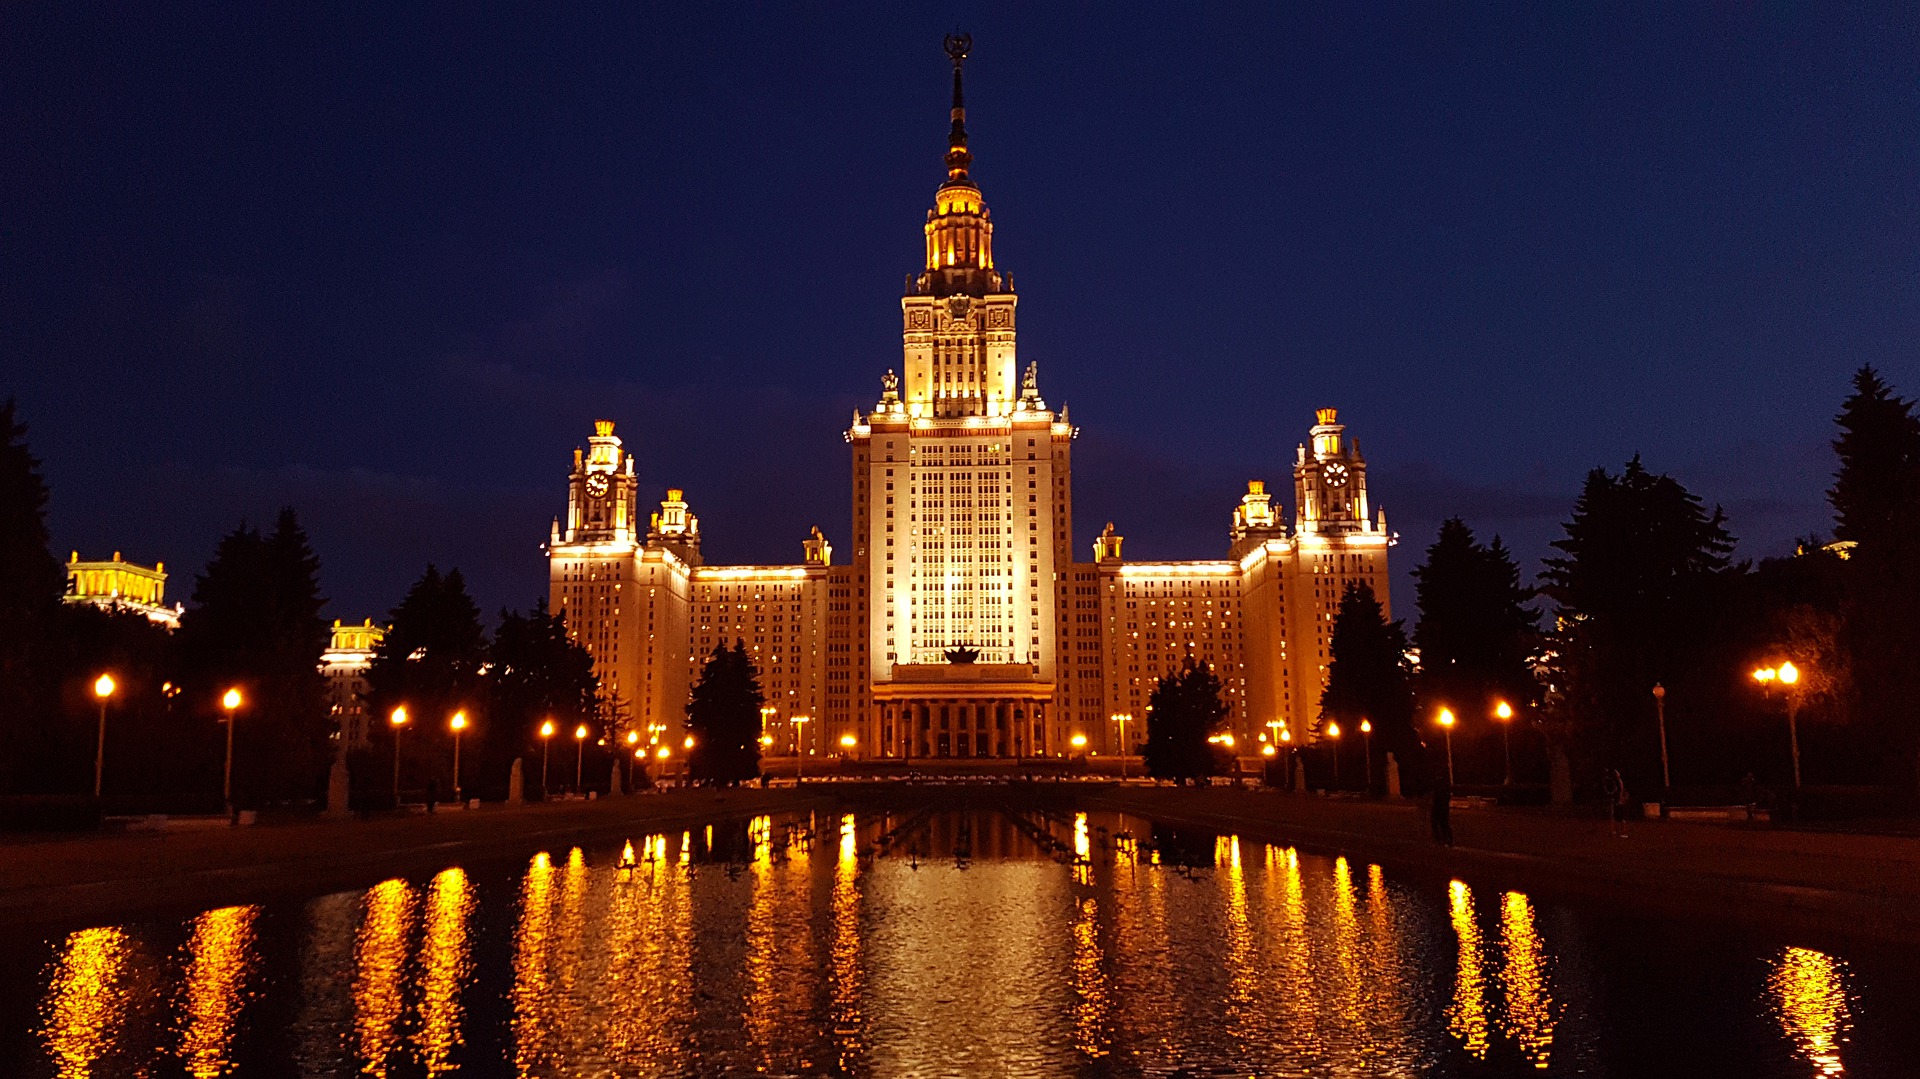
(961, 507)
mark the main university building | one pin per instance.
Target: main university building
(963, 626)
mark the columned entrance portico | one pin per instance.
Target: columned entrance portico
(963, 710)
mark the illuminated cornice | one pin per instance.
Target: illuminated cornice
(1179, 569)
(751, 573)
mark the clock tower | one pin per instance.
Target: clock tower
(602, 503)
(1330, 480)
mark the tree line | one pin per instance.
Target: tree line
(254, 624)
(1641, 592)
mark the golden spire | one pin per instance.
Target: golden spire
(957, 46)
(959, 232)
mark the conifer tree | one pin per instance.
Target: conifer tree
(723, 717)
(255, 625)
(1184, 711)
(1474, 627)
(1642, 569)
(430, 663)
(536, 672)
(1879, 451)
(1474, 633)
(1367, 677)
(30, 587)
(1876, 501)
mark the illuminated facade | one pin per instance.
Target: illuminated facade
(344, 664)
(962, 626)
(124, 586)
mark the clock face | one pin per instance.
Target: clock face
(1336, 474)
(597, 485)
(958, 306)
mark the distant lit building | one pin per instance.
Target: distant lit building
(120, 585)
(964, 627)
(345, 663)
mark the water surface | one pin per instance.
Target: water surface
(953, 943)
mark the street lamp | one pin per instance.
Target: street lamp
(231, 702)
(1660, 714)
(103, 689)
(579, 755)
(546, 751)
(847, 742)
(1286, 740)
(799, 758)
(1366, 733)
(1787, 675)
(1078, 741)
(1333, 733)
(397, 720)
(1122, 718)
(1446, 726)
(458, 723)
(1504, 713)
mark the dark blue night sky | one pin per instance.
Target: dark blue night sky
(387, 265)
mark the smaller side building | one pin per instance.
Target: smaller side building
(344, 665)
(119, 585)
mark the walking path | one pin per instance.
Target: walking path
(117, 875)
(1814, 882)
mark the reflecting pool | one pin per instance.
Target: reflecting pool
(948, 943)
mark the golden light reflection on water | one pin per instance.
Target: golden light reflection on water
(1810, 999)
(1082, 851)
(86, 1002)
(1294, 993)
(1350, 981)
(444, 963)
(1301, 965)
(1529, 1010)
(220, 955)
(1092, 999)
(380, 972)
(849, 1026)
(1467, 1014)
(762, 1014)
(532, 993)
(1243, 980)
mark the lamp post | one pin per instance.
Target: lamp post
(1660, 714)
(103, 689)
(1333, 733)
(767, 712)
(847, 744)
(397, 720)
(633, 742)
(546, 752)
(458, 723)
(579, 756)
(1122, 718)
(231, 702)
(799, 758)
(1787, 675)
(1504, 713)
(1286, 740)
(1366, 733)
(1446, 728)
